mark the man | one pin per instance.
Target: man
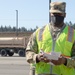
(54, 37)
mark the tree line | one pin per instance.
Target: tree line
(14, 29)
(23, 29)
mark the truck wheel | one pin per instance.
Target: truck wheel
(21, 53)
(11, 52)
(3, 52)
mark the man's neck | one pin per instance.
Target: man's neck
(59, 26)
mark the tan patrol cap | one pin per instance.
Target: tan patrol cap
(57, 7)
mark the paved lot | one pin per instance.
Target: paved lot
(14, 66)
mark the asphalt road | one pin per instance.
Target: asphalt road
(13, 66)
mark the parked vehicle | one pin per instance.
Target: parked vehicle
(16, 44)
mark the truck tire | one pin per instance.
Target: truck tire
(11, 52)
(21, 53)
(3, 52)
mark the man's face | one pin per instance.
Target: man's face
(57, 18)
(59, 14)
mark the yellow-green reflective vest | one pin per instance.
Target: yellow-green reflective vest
(63, 44)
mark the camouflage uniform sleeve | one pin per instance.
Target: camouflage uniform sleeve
(31, 50)
(71, 61)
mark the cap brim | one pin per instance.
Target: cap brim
(56, 11)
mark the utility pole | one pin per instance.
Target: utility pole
(16, 22)
(49, 10)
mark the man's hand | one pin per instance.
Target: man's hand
(61, 60)
(41, 57)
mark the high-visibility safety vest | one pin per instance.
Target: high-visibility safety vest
(63, 44)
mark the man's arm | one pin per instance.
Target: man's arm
(71, 61)
(32, 49)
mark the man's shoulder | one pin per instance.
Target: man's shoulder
(46, 25)
(70, 27)
(41, 27)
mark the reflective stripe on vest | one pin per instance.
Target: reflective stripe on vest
(69, 37)
(70, 34)
(40, 34)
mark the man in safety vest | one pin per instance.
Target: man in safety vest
(53, 39)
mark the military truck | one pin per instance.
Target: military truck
(10, 43)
